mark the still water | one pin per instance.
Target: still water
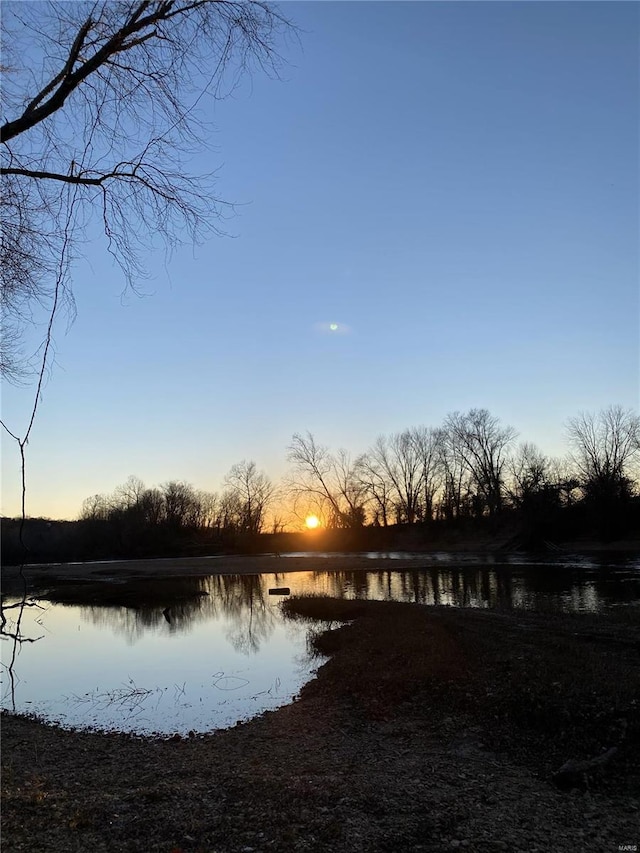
(206, 652)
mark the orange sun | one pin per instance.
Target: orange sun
(312, 521)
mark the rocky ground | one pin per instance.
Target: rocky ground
(425, 730)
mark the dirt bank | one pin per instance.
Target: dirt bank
(426, 730)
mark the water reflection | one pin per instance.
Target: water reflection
(222, 657)
(251, 614)
(240, 599)
(200, 653)
(528, 587)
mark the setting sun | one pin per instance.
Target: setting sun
(312, 521)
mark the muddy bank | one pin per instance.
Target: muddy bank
(426, 730)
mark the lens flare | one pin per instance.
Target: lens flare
(332, 328)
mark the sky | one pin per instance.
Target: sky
(455, 186)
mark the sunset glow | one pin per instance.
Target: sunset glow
(329, 331)
(312, 521)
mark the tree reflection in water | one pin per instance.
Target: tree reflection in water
(11, 615)
(242, 600)
(245, 604)
(175, 605)
(205, 652)
(166, 606)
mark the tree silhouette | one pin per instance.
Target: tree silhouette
(330, 481)
(102, 110)
(606, 447)
(479, 441)
(249, 492)
(397, 461)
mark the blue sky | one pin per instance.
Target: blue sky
(454, 184)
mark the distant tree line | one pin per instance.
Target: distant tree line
(135, 516)
(469, 474)
(137, 521)
(470, 468)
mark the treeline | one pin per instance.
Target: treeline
(471, 468)
(466, 477)
(176, 506)
(175, 517)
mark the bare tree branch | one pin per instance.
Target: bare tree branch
(605, 446)
(116, 113)
(330, 480)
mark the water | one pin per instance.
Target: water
(196, 654)
(202, 663)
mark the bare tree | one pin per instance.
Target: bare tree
(102, 110)
(250, 492)
(132, 505)
(130, 493)
(140, 507)
(457, 486)
(481, 444)
(398, 461)
(529, 474)
(229, 512)
(426, 441)
(331, 481)
(151, 508)
(95, 508)
(605, 446)
(379, 491)
(563, 475)
(277, 524)
(209, 508)
(180, 504)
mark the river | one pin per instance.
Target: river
(195, 654)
